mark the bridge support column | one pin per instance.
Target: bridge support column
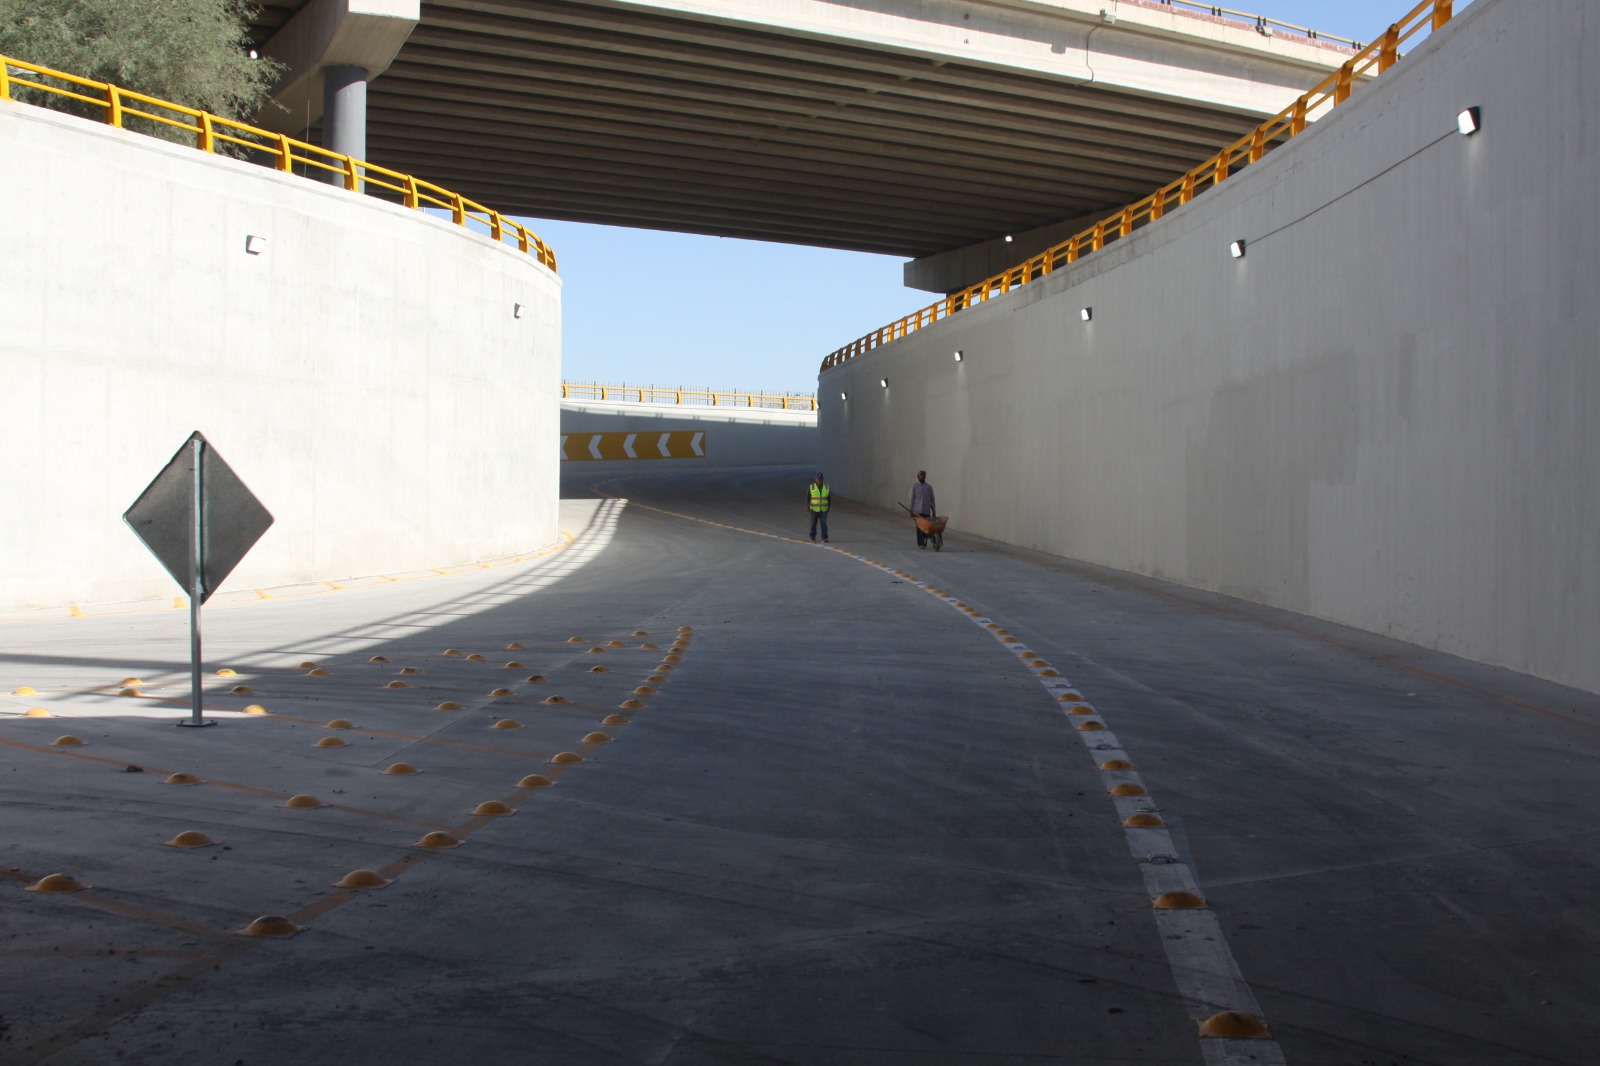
(344, 112)
(330, 49)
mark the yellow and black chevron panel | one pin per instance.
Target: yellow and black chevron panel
(592, 447)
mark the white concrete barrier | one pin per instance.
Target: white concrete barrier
(1386, 414)
(725, 436)
(362, 369)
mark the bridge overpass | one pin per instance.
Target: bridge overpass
(901, 128)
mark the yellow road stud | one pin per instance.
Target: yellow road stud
(57, 883)
(274, 925)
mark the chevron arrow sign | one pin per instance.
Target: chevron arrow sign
(589, 447)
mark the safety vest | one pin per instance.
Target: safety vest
(819, 496)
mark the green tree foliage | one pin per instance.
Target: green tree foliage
(192, 52)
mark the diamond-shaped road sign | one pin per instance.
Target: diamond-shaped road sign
(231, 519)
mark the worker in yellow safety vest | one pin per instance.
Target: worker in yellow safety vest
(820, 491)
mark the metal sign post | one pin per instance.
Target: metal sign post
(198, 519)
(197, 590)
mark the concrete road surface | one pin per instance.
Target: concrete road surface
(855, 804)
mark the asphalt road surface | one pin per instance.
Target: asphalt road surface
(848, 805)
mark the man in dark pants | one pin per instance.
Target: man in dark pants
(922, 503)
(820, 491)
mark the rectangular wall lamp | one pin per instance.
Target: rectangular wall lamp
(1087, 314)
(960, 355)
(1236, 249)
(1467, 122)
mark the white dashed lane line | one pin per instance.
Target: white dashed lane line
(1227, 1017)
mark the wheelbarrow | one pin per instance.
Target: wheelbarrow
(932, 528)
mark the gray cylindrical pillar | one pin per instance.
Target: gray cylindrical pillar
(344, 112)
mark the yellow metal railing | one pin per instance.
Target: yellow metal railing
(1333, 90)
(688, 397)
(213, 133)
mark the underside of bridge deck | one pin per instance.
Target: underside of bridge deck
(637, 115)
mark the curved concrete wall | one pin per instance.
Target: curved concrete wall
(364, 375)
(1387, 414)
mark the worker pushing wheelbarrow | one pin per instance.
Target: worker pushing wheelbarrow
(930, 524)
(930, 529)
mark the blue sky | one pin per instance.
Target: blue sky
(642, 307)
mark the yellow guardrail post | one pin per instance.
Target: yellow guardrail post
(1258, 144)
(1390, 53)
(207, 141)
(1342, 88)
(1442, 10)
(113, 106)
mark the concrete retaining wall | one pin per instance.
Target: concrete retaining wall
(733, 436)
(364, 375)
(1387, 414)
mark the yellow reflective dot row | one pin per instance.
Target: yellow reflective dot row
(279, 926)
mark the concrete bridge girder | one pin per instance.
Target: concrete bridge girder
(891, 127)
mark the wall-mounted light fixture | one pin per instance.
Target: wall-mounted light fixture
(1236, 249)
(254, 245)
(883, 383)
(844, 396)
(1008, 238)
(1087, 314)
(960, 355)
(1467, 122)
(518, 310)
